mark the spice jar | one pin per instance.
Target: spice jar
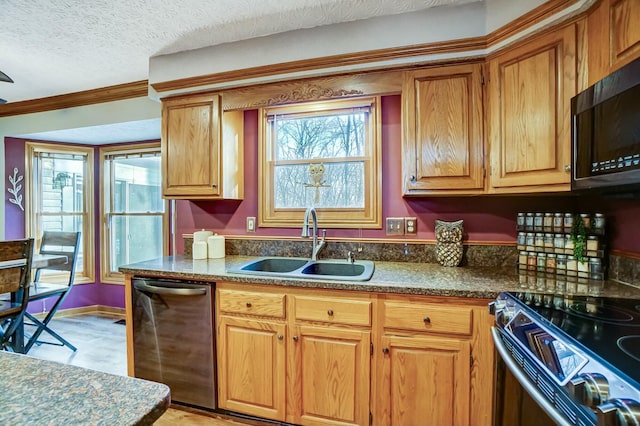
(558, 243)
(530, 241)
(598, 223)
(568, 222)
(551, 262)
(586, 220)
(522, 259)
(572, 266)
(532, 260)
(547, 222)
(561, 264)
(537, 222)
(595, 268)
(522, 241)
(558, 222)
(520, 222)
(541, 263)
(593, 245)
(583, 269)
(568, 244)
(539, 241)
(548, 243)
(528, 222)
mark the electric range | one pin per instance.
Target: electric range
(578, 356)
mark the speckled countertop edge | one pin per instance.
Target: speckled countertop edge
(388, 277)
(39, 392)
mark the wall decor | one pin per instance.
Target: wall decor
(15, 189)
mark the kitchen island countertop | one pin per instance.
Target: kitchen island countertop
(390, 277)
(39, 392)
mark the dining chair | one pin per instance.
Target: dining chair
(53, 243)
(15, 273)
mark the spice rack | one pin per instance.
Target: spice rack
(549, 243)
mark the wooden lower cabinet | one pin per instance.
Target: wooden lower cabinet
(332, 375)
(427, 380)
(326, 357)
(251, 367)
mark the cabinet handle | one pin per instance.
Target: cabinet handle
(330, 312)
(248, 304)
(295, 338)
(427, 320)
(280, 337)
(385, 351)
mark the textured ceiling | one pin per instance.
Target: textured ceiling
(53, 47)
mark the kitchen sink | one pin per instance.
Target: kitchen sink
(303, 268)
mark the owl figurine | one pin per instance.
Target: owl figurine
(449, 242)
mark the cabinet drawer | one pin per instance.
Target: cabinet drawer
(352, 312)
(428, 317)
(252, 303)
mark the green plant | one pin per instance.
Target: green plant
(579, 238)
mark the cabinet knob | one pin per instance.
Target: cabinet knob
(330, 312)
(248, 304)
(412, 178)
(280, 337)
(385, 351)
(295, 338)
(427, 320)
(214, 185)
(567, 168)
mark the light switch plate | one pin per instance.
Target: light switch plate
(410, 226)
(395, 226)
(251, 224)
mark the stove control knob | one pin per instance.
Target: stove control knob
(619, 411)
(590, 389)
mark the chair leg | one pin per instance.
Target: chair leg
(43, 326)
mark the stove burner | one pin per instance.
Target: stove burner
(602, 313)
(630, 345)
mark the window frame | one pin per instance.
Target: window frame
(106, 276)
(32, 224)
(370, 216)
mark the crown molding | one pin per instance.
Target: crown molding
(119, 92)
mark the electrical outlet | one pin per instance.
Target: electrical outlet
(410, 226)
(395, 226)
(251, 224)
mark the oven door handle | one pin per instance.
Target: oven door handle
(524, 380)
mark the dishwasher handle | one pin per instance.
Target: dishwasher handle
(171, 291)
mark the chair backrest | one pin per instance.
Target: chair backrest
(60, 243)
(15, 269)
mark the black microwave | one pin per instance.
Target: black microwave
(605, 134)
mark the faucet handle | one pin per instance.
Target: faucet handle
(324, 234)
(351, 257)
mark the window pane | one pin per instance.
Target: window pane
(321, 136)
(343, 186)
(134, 239)
(137, 186)
(65, 223)
(62, 185)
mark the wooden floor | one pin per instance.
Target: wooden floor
(100, 339)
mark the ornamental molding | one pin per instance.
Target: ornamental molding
(307, 92)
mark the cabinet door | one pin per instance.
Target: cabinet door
(442, 130)
(332, 375)
(613, 34)
(251, 367)
(191, 134)
(530, 89)
(427, 380)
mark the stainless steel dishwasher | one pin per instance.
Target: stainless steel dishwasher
(173, 339)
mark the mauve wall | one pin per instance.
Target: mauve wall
(486, 218)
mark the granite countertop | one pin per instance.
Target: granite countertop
(390, 277)
(38, 392)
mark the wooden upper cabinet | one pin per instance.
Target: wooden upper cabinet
(530, 89)
(613, 34)
(442, 130)
(197, 161)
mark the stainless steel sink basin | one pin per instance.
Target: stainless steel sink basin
(275, 264)
(302, 268)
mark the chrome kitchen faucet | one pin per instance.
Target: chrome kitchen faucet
(317, 246)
